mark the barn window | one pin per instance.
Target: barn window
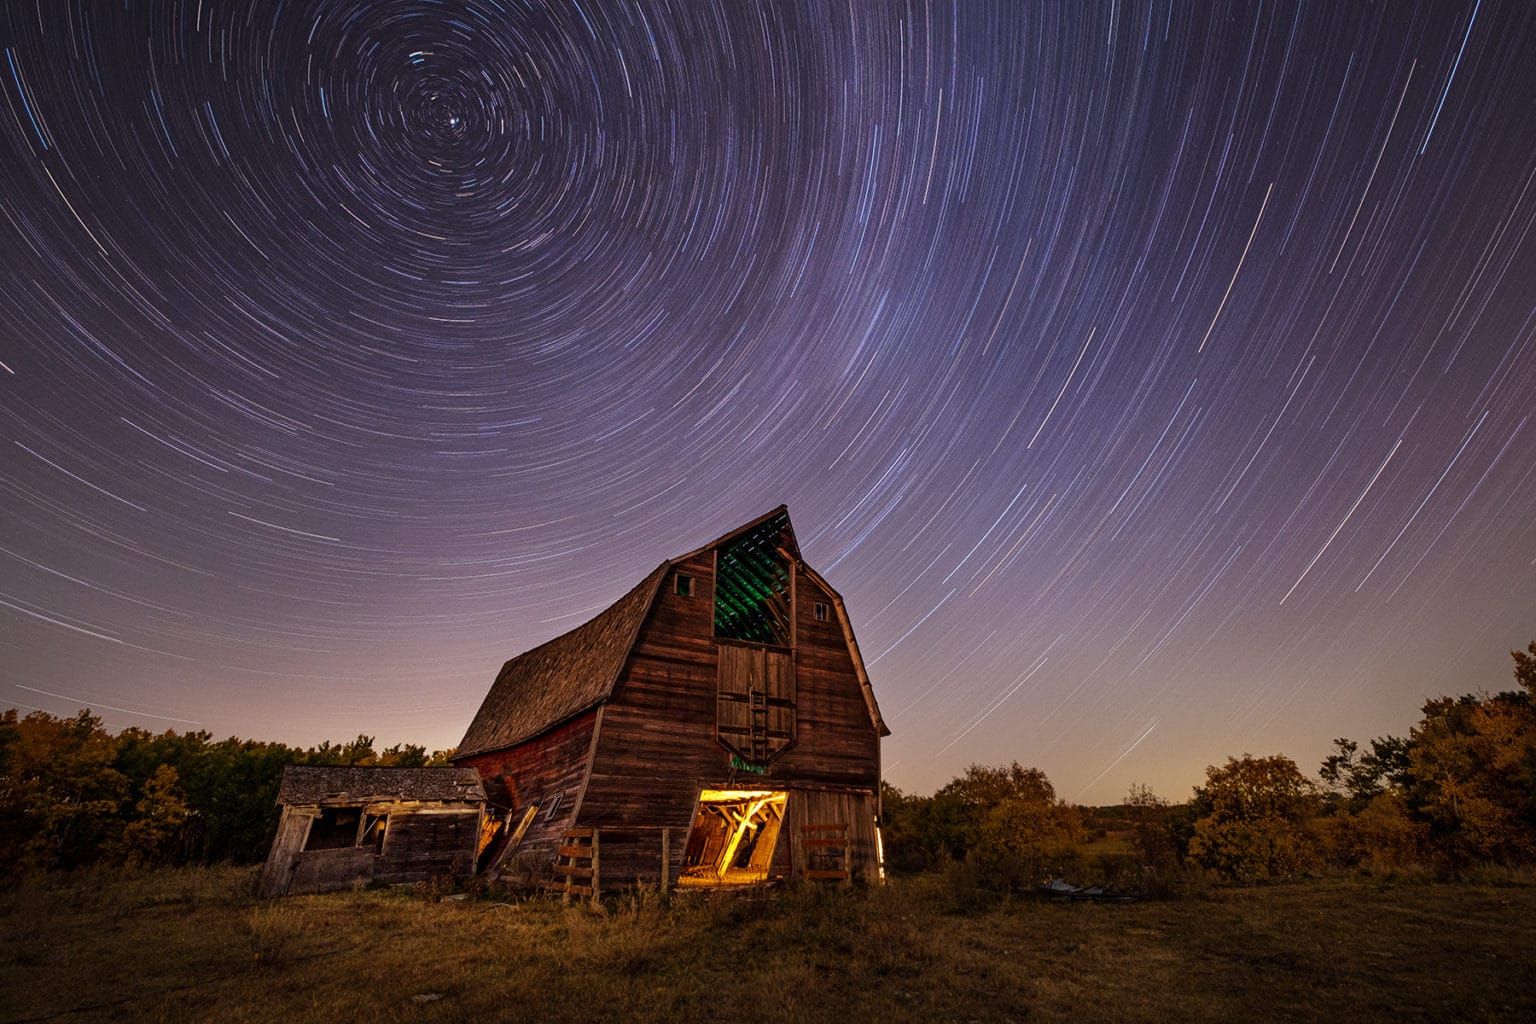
(733, 836)
(339, 828)
(684, 585)
(752, 592)
(554, 807)
(334, 828)
(821, 612)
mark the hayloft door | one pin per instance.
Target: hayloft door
(756, 709)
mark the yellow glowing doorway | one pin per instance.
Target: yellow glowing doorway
(733, 836)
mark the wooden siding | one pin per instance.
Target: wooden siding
(837, 744)
(656, 747)
(277, 872)
(657, 744)
(853, 808)
(554, 764)
(427, 842)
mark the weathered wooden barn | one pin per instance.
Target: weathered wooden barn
(717, 719)
(346, 826)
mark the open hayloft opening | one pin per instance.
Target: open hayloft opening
(733, 836)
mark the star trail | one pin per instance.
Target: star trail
(1153, 379)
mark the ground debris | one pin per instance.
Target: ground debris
(1061, 889)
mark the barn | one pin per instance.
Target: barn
(713, 726)
(347, 826)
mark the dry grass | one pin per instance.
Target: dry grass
(194, 946)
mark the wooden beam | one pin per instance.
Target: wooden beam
(517, 837)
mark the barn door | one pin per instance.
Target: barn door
(755, 719)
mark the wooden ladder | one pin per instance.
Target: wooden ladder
(758, 736)
(577, 862)
(821, 844)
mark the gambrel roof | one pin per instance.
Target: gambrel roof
(577, 671)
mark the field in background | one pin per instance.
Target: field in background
(193, 945)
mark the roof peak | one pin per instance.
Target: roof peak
(751, 524)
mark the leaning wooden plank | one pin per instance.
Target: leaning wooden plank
(517, 837)
(595, 863)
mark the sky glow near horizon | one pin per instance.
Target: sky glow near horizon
(1154, 381)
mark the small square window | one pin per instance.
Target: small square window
(821, 612)
(683, 583)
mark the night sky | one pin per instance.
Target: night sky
(1154, 381)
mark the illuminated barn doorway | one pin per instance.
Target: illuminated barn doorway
(733, 836)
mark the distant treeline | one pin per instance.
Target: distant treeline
(1458, 791)
(73, 795)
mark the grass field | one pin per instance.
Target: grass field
(193, 945)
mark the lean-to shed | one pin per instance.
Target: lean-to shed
(344, 826)
(715, 721)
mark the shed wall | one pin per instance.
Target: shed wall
(422, 841)
(428, 842)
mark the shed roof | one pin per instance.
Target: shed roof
(315, 784)
(577, 671)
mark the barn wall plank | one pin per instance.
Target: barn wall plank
(547, 766)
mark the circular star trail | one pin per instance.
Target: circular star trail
(1154, 381)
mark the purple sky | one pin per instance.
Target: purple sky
(1154, 381)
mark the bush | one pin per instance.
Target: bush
(1028, 841)
(1253, 819)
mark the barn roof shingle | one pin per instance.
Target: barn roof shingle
(559, 679)
(314, 784)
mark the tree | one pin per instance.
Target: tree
(158, 835)
(1384, 833)
(359, 752)
(1252, 818)
(901, 830)
(1144, 807)
(1473, 775)
(60, 797)
(1525, 668)
(984, 786)
(1363, 777)
(1148, 815)
(955, 815)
